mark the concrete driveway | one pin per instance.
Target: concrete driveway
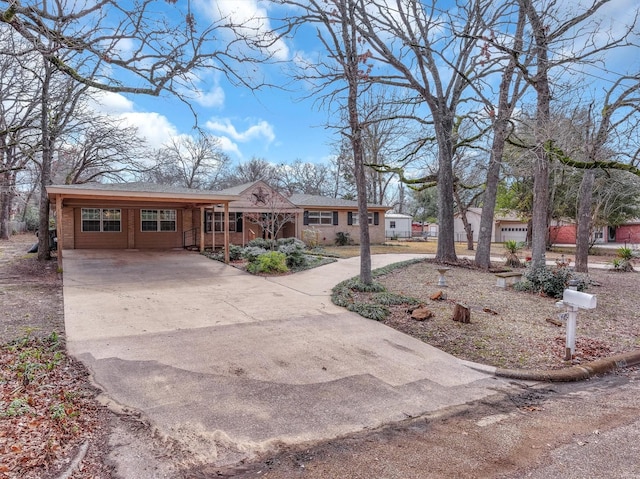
(228, 364)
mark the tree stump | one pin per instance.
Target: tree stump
(462, 313)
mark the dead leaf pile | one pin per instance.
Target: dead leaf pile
(46, 408)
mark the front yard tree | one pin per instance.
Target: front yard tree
(148, 46)
(512, 88)
(340, 73)
(271, 211)
(99, 148)
(194, 162)
(554, 31)
(18, 122)
(437, 54)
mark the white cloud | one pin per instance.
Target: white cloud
(253, 18)
(214, 98)
(156, 128)
(229, 146)
(110, 103)
(262, 129)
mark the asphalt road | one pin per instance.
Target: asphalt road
(589, 429)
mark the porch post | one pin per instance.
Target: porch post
(59, 229)
(226, 232)
(202, 224)
(213, 228)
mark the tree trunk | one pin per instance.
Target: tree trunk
(351, 70)
(501, 127)
(45, 168)
(446, 249)
(539, 223)
(462, 209)
(584, 222)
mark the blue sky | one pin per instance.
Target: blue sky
(271, 123)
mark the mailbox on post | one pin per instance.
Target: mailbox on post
(578, 299)
(575, 300)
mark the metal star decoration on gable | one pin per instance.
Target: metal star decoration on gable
(260, 196)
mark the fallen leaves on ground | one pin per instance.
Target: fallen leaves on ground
(46, 409)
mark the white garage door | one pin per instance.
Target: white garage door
(517, 233)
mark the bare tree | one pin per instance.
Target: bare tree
(194, 162)
(551, 30)
(341, 73)
(99, 148)
(436, 54)
(271, 211)
(150, 46)
(249, 171)
(605, 141)
(18, 116)
(305, 178)
(512, 88)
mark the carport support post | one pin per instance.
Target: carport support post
(226, 232)
(202, 225)
(59, 230)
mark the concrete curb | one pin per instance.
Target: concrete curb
(574, 373)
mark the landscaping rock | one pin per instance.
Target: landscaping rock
(420, 314)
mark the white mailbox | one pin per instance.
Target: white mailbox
(578, 299)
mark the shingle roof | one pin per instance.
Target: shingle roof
(315, 200)
(139, 187)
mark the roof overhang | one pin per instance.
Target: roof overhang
(194, 197)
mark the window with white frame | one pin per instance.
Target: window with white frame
(392, 224)
(158, 220)
(356, 218)
(101, 220)
(320, 218)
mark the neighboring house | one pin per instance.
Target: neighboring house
(424, 230)
(566, 233)
(397, 225)
(628, 232)
(506, 226)
(139, 215)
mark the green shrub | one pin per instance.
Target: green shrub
(267, 244)
(271, 262)
(235, 252)
(377, 312)
(388, 298)
(252, 253)
(550, 281)
(623, 261)
(356, 285)
(295, 251)
(342, 238)
(341, 296)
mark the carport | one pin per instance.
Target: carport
(133, 216)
